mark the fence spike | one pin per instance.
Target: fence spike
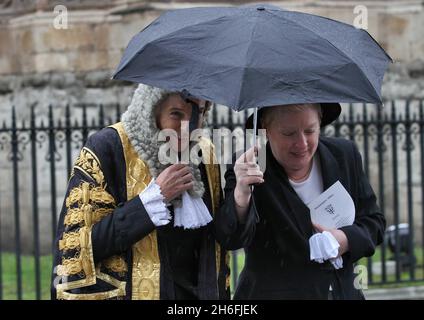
(67, 116)
(32, 116)
(118, 112)
(101, 116)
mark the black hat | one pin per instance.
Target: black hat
(330, 112)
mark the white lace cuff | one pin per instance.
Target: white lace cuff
(152, 200)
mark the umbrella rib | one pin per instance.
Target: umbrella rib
(335, 47)
(244, 68)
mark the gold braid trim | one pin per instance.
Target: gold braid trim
(212, 172)
(69, 267)
(72, 240)
(89, 164)
(115, 264)
(145, 263)
(85, 263)
(95, 194)
(118, 292)
(82, 238)
(73, 216)
(76, 215)
(217, 259)
(61, 288)
(228, 278)
(86, 196)
(69, 241)
(91, 296)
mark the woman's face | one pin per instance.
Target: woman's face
(173, 111)
(293, 136)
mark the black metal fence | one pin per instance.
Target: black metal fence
(38, 147)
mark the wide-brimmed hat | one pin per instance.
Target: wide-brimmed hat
(330, 112)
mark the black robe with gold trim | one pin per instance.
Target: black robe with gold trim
(108, 248)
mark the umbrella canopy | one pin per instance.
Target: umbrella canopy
(256, 55)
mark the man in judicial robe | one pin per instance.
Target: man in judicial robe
(124, 230)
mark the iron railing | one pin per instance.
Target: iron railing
(37, 151)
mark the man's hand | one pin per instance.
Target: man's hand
(338, 234)
(174, 180)
(247, 173)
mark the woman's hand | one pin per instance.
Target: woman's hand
(338, 234)
(247, 173)
(174, 180)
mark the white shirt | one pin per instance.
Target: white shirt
(312, 187)
(323, 246)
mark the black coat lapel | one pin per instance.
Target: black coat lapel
(288, 201)
(330, 170)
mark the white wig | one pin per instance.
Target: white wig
(140, 125)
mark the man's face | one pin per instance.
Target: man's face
(173, 111)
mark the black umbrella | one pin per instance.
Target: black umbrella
(256, 56)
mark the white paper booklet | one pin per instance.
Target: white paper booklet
(334, 208)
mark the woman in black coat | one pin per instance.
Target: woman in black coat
(274, 225)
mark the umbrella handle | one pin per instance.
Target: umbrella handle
(255, 127)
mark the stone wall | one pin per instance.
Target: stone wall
(39, 63)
